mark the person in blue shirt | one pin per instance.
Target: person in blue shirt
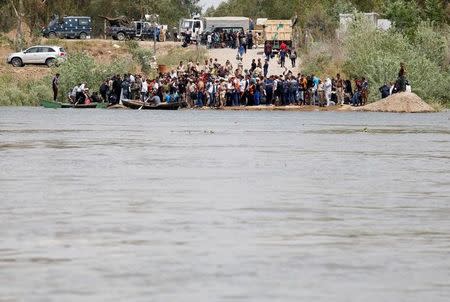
(314, 95)
(385, 90)
(282, 57)
(241, 51)
(293, 90)
(269, 90)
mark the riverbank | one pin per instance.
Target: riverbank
(404, 102)
(306, 108)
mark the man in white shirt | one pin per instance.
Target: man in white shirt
(144, 90)
(209, 40)
(73, 94)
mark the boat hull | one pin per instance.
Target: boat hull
(56, 105)
(143, 106)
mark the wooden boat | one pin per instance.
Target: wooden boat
(145, 106)
(55, 105)
(79, 106)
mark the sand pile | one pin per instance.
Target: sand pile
(400, 102)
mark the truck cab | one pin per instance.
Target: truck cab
(194, 26)
(71, 27)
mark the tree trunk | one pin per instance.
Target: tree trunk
(19, 14)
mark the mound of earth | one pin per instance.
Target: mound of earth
(400, 102)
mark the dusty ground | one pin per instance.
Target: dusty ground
(224, 54)
(103, 51)
(404, 102)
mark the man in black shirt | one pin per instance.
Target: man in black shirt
(55, 85)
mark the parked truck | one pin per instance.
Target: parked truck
(72, 27)
(197, 26)
(276, 32)
(121, 29)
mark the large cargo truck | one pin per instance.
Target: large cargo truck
(198, 26)
(276, 32)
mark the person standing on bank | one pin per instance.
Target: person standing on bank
(282, 57)
(55, 85)
(266, 68)
(293, 57)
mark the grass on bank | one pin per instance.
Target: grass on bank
(23, 93)
(83, 68)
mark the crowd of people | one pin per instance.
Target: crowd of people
(231, 38)
(218, 85)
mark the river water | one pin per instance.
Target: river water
(100, 205)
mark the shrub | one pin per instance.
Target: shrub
(431, 42)
(377, 54)
(24, 93)
(175, 55)
(81, 68)
(142, 56)
(405, 15)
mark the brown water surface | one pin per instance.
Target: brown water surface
(101, 205)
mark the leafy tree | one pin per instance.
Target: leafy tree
(377, 54)
(37, 13)
(405, 15)
(435, 11)
(341, 7)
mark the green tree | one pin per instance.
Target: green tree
(434, 11)
(405, 15)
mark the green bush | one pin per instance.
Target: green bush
(175, 55)
(78, 68)
(81, 68)
(431, 42)
(377, 55)
(404, 14)
(318, 64)
(28, 93)
(142, 56)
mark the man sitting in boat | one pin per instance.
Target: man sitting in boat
(73, 95)
(153, 99)
(80, 94)
(86, 97)
(172, 98)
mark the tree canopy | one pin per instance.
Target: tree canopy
(322, 13)
(37, 13)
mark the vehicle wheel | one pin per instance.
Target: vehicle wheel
(17, 62)
(83, 36)
(121, 36)
(52, 35)
(50, 62)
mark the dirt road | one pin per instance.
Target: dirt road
(224, 54)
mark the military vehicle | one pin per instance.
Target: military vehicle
(71, 27)
(123, 29)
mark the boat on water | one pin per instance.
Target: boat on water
(55, 105)
(145, 106)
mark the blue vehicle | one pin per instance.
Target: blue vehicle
(71, 27)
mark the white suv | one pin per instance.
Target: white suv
(41, 54)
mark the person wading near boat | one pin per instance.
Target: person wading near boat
(55, 85)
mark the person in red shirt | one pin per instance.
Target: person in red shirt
(283, 46)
